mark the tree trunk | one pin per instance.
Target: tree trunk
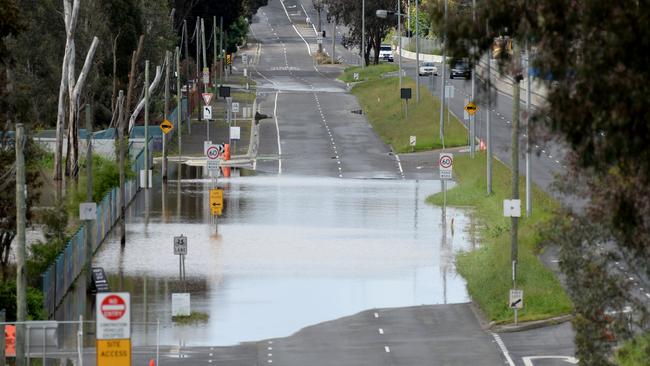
(131, 88)
(152, 89)
(70, 18)
(113, 94)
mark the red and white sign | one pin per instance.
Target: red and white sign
(446, 165)
(213, 152)
(207, 98)
(113, 315)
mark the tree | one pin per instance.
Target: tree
(591, 57)
(349, 13)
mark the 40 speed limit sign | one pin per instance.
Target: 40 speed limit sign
(446, 164)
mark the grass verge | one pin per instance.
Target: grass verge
(368, 73)
(487, 270)
(635, 352)
(194, 317)
(380, 100)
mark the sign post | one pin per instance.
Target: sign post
(405, 93)
(180, 249)
(113, 343)
(446, 166)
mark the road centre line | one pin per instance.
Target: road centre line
(381, 331)
(387, 349)
(376, 315)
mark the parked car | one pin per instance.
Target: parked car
(427, 68)
(386, 53)
(460, 69)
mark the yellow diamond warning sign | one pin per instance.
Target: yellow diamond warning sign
(471, 108)
(166, 126)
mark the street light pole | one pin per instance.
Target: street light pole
(472, 118)
(363, 33)
(417, 52)
(442, 81)
(399, 37)
(529, 199)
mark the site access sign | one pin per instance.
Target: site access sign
(113, 315)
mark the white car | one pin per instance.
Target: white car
(386, 53)
(427, 68)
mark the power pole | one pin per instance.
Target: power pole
(333, 40)
(178, 115)
(221, 67)
(442, 81)
(122, 192)
(89, 190)
(203, 53)
(516, 100)
(197, 33)
(529, 196)
(363, 34)
(488, 136)
(168, 64)
(146, 124)
(417, 52)
(472, 118)
(21, 275)
(399, 35)
(188, 114)
(214, 49)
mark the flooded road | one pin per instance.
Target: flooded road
(289, 253)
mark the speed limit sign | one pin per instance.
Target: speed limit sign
(446, 164)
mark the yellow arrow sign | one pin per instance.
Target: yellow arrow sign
(166, 126)
(471, 108)
(216, 201)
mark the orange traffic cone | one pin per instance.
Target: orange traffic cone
(482, 146)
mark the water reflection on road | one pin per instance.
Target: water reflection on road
(290, 252)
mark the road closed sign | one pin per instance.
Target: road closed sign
(113, 310)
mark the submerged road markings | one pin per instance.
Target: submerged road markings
(277, 129)
(387, 349)
(376, 315)
(381, 331)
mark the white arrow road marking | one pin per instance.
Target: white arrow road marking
(528, 361)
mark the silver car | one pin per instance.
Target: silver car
(427, 68)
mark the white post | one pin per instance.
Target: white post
(157, 341)
(399, 37)
(146, 125)
(80, 340)
(442, 81)
(363, 33)
(488, 136)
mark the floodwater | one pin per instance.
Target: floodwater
(290, 252)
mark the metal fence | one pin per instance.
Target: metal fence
(60, 276)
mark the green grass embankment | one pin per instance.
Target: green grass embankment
(635, 352)
(368, 73)
(380, 100)
(487, 270)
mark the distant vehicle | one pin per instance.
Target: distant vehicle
(386, 53)
(460, 69)
(427, 68)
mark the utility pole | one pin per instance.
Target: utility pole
(122, 191)
(363, 34)
(205, 64)
(417, 52)
(197, 33)
(221, 67)
(333, 40)
(472, 118)
(146, 124)
(529, 193)
(21, 275)
(516, 100)
(442, 81)
(188, 113)
(178, 115)
(214, 49)
(399, 42)
(168, 64)
(488, 136)
(89, 190)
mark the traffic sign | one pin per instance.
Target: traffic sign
(512, 208)
(516, 299)
(244, 58)
(180, 245)
(88, 211)
(111, 352)
(446, 164)
(412, 140)
(113, 315)
(206, 75)
(166, 126)
(471, 108)
(216, 201)
(235, 107)
(181, 304)
(207, 112)
(207, 98)
(235, 133)
(449, 91)
(213, 152)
